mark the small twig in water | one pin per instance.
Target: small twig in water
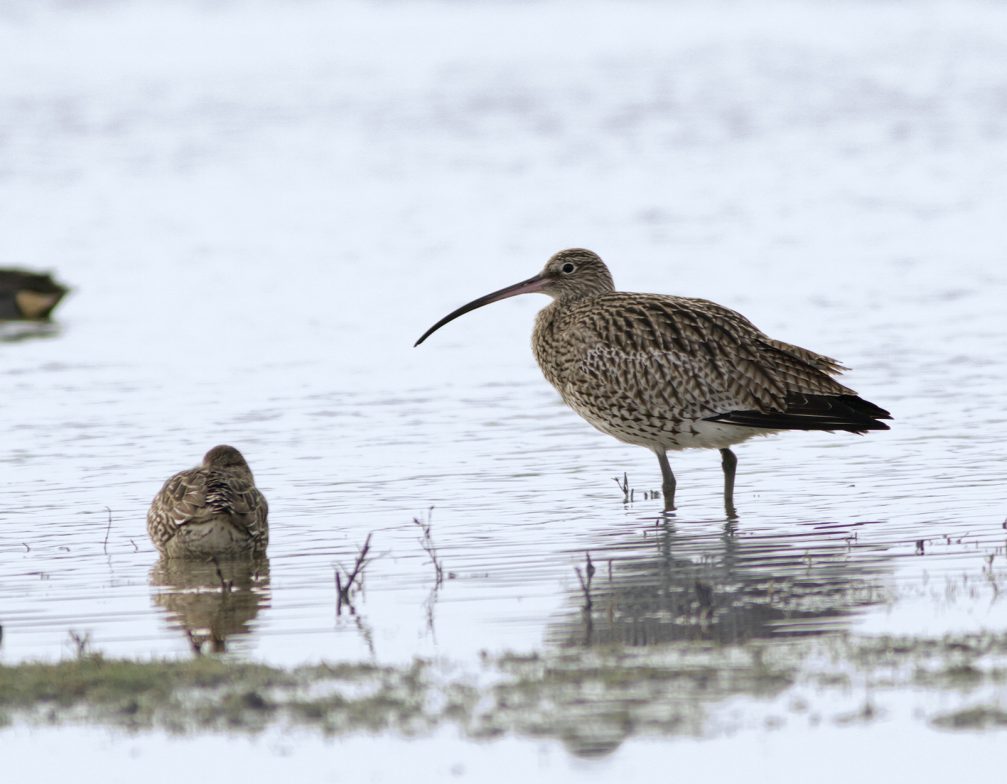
(585, 587)
(585, 583)
(27, 549)
(343, 589)
(136, 549)
(81, 642)
(623, 485)
(991, 575)
(108, 530)
(427, 543)
(366, 633)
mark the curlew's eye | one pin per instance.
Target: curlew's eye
(568, 268)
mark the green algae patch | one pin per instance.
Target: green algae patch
(591, 699)
(102, 681)
(138, 694)
(981, 717)
(209, 693)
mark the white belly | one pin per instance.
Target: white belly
(697, 434)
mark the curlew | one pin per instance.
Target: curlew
(213, 510)
(671, 373)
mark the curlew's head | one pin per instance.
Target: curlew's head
(570, 274)
(226, 457)
(575, 273)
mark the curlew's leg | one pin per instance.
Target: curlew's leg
(729, 462)
(667, 480)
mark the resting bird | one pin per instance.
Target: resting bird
(671, 373)
(213, 510)
(28, 295)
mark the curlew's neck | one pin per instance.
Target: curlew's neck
(577, 291)
(550, 340)
(551, 336)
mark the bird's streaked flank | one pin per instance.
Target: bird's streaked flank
(675, 372)
(213, 510)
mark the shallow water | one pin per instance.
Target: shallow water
(759, 756)
(258, 215)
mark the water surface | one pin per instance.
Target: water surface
(258, 215)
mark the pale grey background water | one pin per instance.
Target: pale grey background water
(261, 206)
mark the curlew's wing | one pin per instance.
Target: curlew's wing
(674, 359)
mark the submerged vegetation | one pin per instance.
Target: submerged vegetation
(592, 700)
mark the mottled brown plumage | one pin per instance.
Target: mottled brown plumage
(672, 373)
(213, 510)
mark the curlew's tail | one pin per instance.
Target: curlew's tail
(814, 412)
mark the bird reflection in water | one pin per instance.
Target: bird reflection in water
(714, 585)
(211, 601)
(668, 622)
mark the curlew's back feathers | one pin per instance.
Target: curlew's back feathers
(648, 368)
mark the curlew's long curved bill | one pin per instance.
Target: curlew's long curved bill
(524, 287)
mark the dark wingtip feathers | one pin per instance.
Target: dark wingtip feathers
(849, 413)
